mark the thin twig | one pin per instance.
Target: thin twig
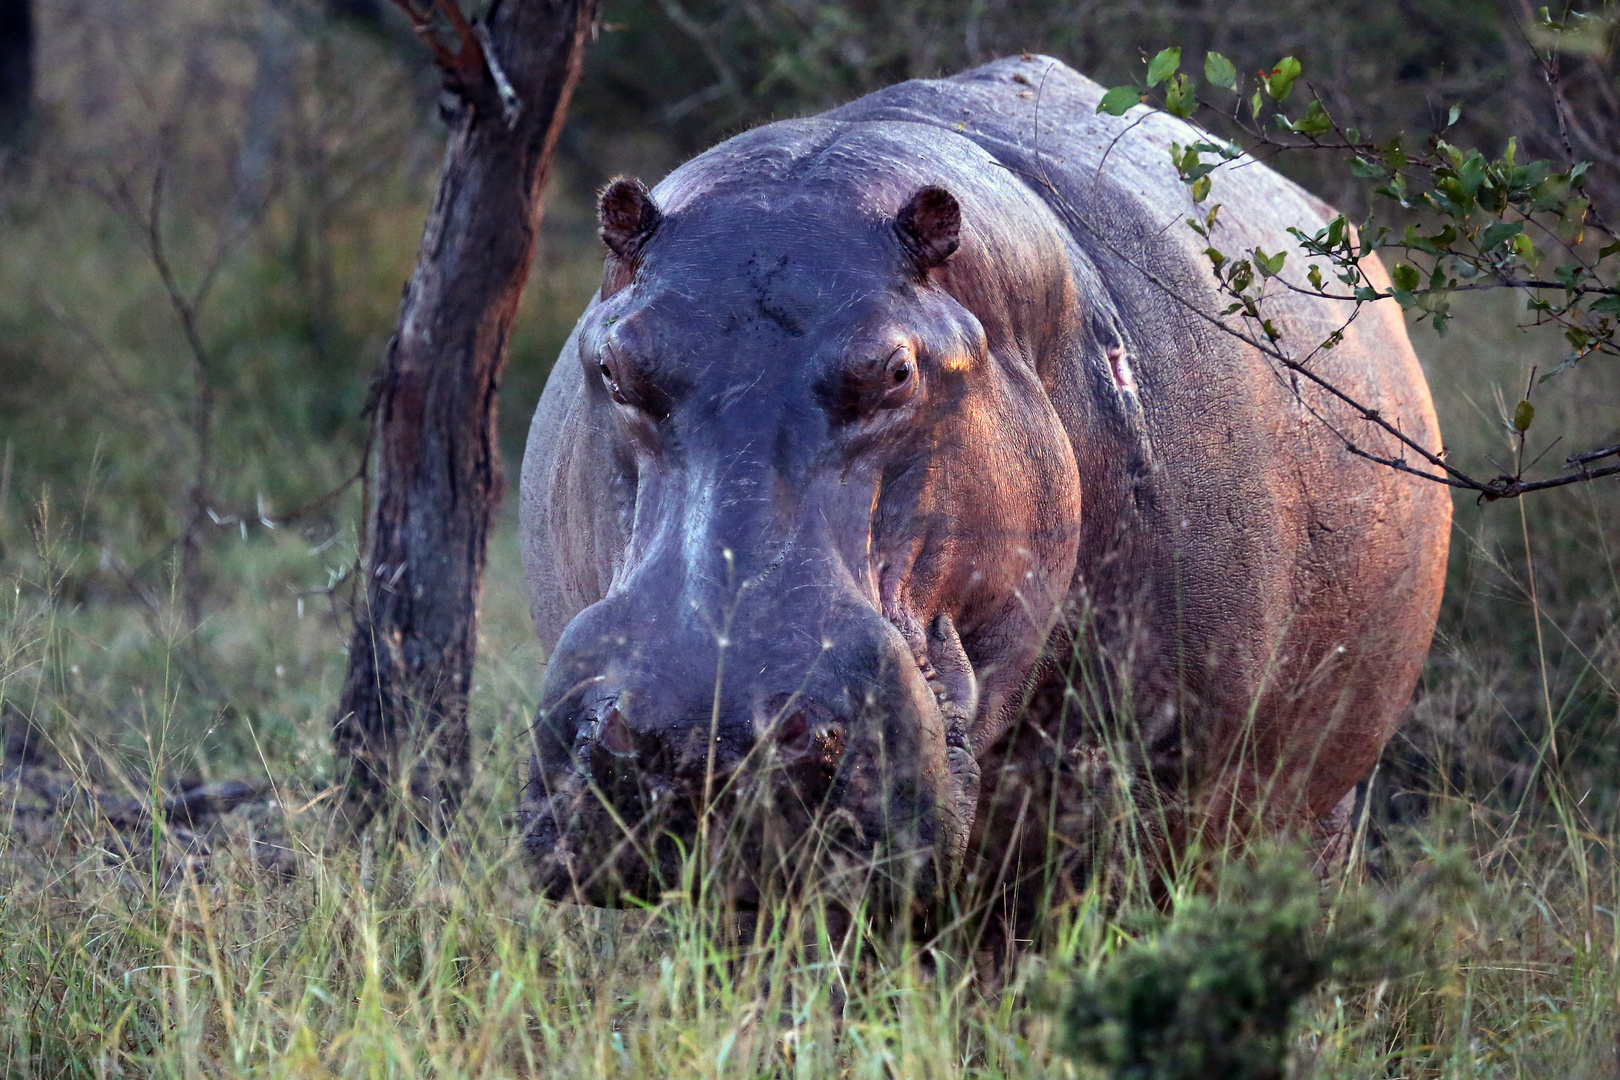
(273, 520)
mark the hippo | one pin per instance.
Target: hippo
(903, 496)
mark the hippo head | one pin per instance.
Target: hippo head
(839, 513)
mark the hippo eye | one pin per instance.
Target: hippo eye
(610, 382)
(899, 382)
(630, 387)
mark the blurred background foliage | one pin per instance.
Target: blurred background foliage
(207, 210)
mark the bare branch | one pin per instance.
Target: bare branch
(1576, 460)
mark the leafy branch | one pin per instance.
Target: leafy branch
(1467, 221)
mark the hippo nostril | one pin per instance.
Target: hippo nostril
(828, 744)
(617, 762)
(613, 733)
(793, 734)
(810, 747)
(807, 734)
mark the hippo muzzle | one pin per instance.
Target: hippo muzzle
(785, 728)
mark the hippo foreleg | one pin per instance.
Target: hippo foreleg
(957, 690)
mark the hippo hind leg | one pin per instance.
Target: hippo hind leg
(1331, 836)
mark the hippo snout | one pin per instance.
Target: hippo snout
(635, 766)
(647, 740)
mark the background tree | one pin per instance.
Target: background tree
(437, 478)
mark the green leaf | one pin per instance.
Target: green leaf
(1254, 105)
(1179, 98)
(1315, 121)
(1220, 71)
(1405, 277)
(1281, 79)
(1523, 415)
(1314, 274)
(1437, 244)
(1609, 305)
(1395, 189)
(1524, 249)
(1499, 234)
(1612, 249)
(1456, 111)
(1119, 99)
(1372, 239)
(1164, 65)
(1269, 265)
(1200, 189)
(1336, 231)
(1363, 169)
(1394, 156)
(1572, 221)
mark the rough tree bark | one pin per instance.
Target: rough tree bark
(402, 721)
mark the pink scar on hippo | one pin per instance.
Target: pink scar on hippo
(900, 501)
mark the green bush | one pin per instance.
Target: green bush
(1215, 989)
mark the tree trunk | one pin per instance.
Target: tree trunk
(402, 720)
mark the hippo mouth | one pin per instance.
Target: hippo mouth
(810, 803)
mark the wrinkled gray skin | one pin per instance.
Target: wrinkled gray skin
(805, 494)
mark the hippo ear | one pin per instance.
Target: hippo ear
(629, 216)
(930, 227)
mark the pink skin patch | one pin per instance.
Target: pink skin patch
(1121, 367)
